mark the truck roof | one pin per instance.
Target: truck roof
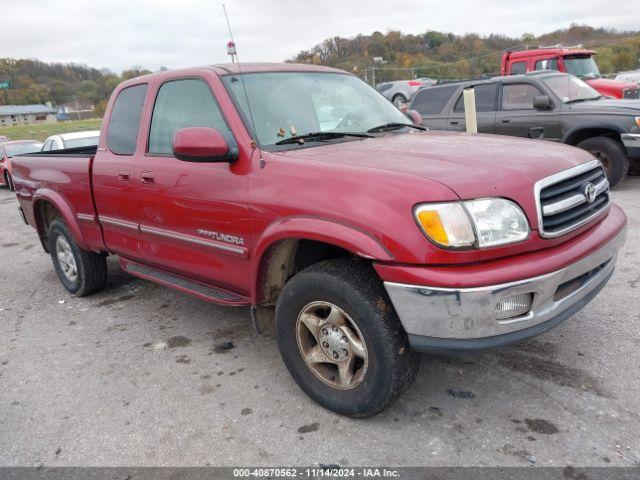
(234, 68)
(539, 52)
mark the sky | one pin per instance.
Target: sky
(181, 33)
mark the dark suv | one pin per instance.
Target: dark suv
(550, 105)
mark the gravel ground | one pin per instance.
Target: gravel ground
(132, 377)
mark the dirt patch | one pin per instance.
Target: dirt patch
(313, 427)
(540, 425)
(113, 301)
(178, 341)
(552, 371)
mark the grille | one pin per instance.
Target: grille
(632, 93)
(571, 198)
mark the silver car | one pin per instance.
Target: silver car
(400, 92)
(629, 77)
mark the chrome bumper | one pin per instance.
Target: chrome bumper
(630, 140)
(469, 313)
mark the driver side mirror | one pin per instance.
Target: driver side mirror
(542, 102)
(415, 117)
(202, 144)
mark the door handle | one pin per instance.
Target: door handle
(505, 120)
(147, 177)
(453, 122)
(123, 175)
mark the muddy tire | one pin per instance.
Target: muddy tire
(81, 272)
(612, 155)
(341, 339)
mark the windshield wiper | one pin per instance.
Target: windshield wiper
(393, 126)
(321, 137)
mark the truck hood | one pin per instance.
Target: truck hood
(626, 107)
(609, 85)
(472, 165)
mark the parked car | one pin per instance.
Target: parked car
(364, 238)
(7, 151)
(630, 77)
(550, 105)
(401, 91)
(71, 140)
(574, 60)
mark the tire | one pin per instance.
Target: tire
(399, 100)
(363, 305)
(612, 155)
(8, 181)
(90, 268)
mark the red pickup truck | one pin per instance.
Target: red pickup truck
(303, 193)
(574, 60)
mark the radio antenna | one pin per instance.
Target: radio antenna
(254, 142)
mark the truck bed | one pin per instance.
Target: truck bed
(63, 175)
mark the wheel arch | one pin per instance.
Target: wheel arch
(577, 135)
(291, 244)
(49, 205)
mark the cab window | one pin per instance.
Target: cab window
(124, 123)
(519, 96)
(518, 68)
(180, 104)
(547, 64)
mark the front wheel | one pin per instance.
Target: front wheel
(81, 272)
(341, 340)
(612, 155)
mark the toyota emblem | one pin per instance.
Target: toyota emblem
(590, 192)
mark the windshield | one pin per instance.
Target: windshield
(571, 89)
(81, 142)
(583, 67)
(287, 104)
(20, 148)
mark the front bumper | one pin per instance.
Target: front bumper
(463, 319)
(631, 142)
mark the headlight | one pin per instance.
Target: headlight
(486, 222)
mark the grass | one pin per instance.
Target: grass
(42, 131)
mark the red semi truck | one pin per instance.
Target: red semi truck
(574, 60)
(301, 192)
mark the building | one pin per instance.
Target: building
(75, 111)
(11, 115)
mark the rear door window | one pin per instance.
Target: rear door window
(179, 104)
(486, 99)
(519, 96)
(124, 124)
(431, 101)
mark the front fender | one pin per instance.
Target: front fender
(349, 237)
(66, 211)
(569, 134)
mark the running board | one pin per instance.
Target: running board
(198, 289)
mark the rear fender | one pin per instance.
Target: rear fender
(65, 211)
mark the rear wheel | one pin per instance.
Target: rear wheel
(612, 155)
(399, 100)
(341, 340)
(80, 271)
